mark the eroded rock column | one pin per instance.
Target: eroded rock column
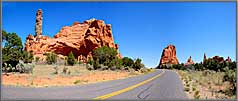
(38, 25)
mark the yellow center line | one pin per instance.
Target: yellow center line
(128, 88)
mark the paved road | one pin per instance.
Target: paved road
(166, 86)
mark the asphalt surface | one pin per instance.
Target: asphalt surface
(166, 87)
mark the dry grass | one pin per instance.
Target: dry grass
(204, 84)
(44, 76)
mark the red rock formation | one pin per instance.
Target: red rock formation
(38, 25)
(218, 59)
(80, 38)
(169, 56)
(190, 61)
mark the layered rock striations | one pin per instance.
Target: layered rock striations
(80, 38)
(169, 56)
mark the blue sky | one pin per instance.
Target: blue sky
(142, 29)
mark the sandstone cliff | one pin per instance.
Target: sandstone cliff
(80, 38)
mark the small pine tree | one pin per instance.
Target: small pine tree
(71, 59)
(51, 58)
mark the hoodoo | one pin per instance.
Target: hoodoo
(190, 61)
(38, 25)
(169, 56)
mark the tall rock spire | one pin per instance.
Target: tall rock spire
(38, 25)
(169, 55)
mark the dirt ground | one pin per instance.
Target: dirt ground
(44, 76)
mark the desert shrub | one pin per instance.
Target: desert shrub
(102, 67)
(25, 68)
(127, 61)
(104, 54)
(77, 81)
(65, 70)
(51, 58)
(186, 89)
(177, 66)
(162, 66)
(4, 68)
(79, 62)
(198, 66)
(105, 58)
(71, 59)
(137, 64)
(193, 88)
(230, 76)
(196, 95)
(10, 68)
(90, 61)
(96, 65)
(27, 57)
(37, 59)
(29, 68)
(144, 70)
(12, 50)
(230, 65)
(56, 68)
(212, 64)
(113, 68)
(115, 62)
(69, 72)
(89, 66)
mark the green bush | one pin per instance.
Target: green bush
(77, 81)
(127, 61)
(105, 58)
(104, 54)
(196, 95)
(71, 59)
(79, 62)
(96, 65)
(12, 50)
(178, 67)
(230, 76)
(51, 58)
(198, 66)
(115, 62)
(137, 64)
(90, 61)
(186, 89)
(37, 59)
(27, 57)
